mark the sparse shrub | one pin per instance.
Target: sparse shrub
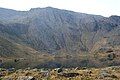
(114, 76)
(1, 79)
(111, 56)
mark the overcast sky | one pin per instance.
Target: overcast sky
(98, 7)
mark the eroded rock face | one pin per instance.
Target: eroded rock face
(51, 30)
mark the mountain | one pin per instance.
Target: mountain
(57, 32)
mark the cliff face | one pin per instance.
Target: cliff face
(53, 30)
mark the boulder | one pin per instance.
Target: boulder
(26, 78)
(69, 74)
(103, 74)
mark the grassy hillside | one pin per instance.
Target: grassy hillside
(11, 49)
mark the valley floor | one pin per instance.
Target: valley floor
(107, 73)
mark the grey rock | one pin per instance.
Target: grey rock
(26, 78)
(104, 73)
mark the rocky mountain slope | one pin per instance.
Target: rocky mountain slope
(52, 30)
(59, 32)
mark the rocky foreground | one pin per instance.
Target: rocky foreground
(108, 73)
